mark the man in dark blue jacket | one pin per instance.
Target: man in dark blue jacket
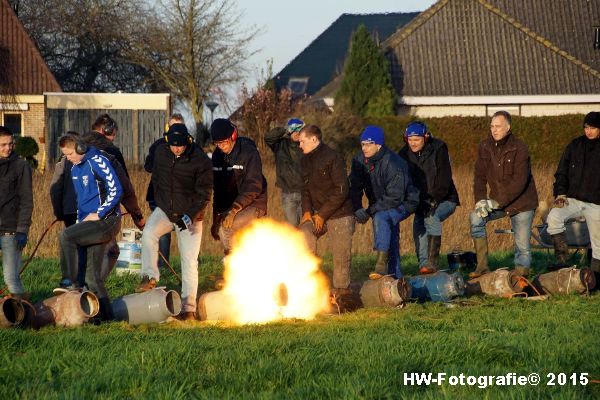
(577, 192)
(98, 193)
(382, 175)
(429, 167)
(182, 183)
(239, 185)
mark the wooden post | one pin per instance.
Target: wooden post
(136, 137)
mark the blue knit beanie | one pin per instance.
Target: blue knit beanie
(373, 134)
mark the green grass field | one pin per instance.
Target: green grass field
(357, 355)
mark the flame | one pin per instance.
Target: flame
(271, 274)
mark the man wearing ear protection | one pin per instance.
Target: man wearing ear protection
(102, 136)
(284, 143)
(383, 177)
(98, 193)
(182, 181)
(16, 206)
(239, 185)
(429, 166)
(503, 164)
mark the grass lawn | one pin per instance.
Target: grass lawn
(357, 355)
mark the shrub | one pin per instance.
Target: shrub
(27, 148)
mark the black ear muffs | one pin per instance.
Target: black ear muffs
(80, 147)
(109, 127)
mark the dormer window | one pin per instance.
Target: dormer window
(298, 85)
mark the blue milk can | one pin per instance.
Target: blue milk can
(437, 287)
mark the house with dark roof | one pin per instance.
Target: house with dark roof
(474, 57)
(323, 59)
(24, 77)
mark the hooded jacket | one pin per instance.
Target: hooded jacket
(287, 159)
(385, 180)
(16, 196)
(578, 172)
(97, 186)
(325, 184)
(238, 177)
(182, 185)
(431, 171)
(506, 168)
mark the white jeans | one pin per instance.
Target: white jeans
(577, 208)
(188, 242)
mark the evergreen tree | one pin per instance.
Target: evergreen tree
(366, 88)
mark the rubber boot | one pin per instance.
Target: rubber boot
(433, 255)
(561, 251)
(481, 248)
(106, 313)
(595, 266)
(380, 265)
(521, 270)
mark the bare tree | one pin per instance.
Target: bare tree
(83, 42)
(192, 47)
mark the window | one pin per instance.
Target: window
(14, 122)
(597, 37)
(298, 85)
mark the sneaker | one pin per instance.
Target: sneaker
(146, 284)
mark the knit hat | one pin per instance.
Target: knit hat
(294, 125)
(416, 128)
(178, 135)
(592, 119)
(221, 129)
(373, 134)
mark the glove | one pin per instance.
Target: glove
(319, 224)
(21, 239)
(361, 215)
(138, 221)
(230, 215)
(484, 207)
(560, 201)
(184, 222)
(306, 217)
(214, 229)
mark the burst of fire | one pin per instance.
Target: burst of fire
(271, 274)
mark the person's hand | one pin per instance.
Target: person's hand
(21, 239)
(184, 222)
(230, 215)
(484, 207)
(306, 217)
(139, 221)
(319, 223)
(430, 207)
(361, 216)
(91, 217)
(560, 201)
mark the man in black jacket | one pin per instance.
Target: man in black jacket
(325, 204)
(577, 192)
(284, 143)
(239, 185)
(16, 206)
(383, 176)
(429, 166)
(182, 181)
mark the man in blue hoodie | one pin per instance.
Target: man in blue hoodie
(98, 193)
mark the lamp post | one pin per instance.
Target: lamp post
(211, 104)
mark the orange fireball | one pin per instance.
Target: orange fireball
(271, 274)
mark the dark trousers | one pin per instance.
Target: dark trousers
(93, 236)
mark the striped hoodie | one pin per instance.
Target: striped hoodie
(97, 186)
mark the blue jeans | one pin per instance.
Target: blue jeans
(521, 226)
(11, 264)
(188, 242)
(291, 202)
(430, 226)
(386, 237)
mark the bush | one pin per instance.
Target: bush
(27, 148)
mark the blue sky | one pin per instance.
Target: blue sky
(289, 26)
